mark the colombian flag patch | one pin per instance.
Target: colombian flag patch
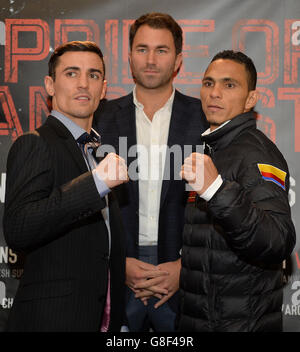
(273, 174)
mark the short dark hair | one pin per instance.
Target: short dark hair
(73, 46)
(158, 20)
(243, 59)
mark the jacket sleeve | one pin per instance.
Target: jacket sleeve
(36, 211)
(255, 216)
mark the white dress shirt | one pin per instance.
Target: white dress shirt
(152, 139)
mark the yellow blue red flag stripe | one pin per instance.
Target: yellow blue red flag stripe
(273, 174)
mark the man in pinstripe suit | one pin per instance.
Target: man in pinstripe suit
(60, 210)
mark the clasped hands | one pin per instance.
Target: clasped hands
(146, 280)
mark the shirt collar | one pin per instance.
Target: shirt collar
(168, 104)
(75, 130)
(208, 131)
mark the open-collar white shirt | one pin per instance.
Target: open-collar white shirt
(152, 139)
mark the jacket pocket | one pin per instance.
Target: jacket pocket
(47, 289)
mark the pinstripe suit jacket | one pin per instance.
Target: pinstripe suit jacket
(53, 214)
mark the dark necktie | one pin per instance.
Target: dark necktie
(87, 141)
(93, 140)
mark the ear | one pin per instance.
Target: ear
(252, 99)
(178, 62)
(104, 88)
(48, 81)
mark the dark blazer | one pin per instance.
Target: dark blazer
(116, 119)
(53, 214)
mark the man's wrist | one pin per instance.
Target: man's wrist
(102, 188)
(212, 189)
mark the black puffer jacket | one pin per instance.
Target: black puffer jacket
(234, 245)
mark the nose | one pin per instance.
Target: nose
(151, 57)
(216, 92)
(83, 81)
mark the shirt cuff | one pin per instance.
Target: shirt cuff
(102, 188)
(212, 189)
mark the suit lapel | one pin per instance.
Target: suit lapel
(125, 119)
(178, 125)
(76, 153)
(69, 142)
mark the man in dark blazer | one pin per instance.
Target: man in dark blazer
(60, 210)
(153, 115)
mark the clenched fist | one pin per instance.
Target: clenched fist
(199, 171)
(112, 170)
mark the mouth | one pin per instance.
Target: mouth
(214, 108)
(82, 98)
(151, 72)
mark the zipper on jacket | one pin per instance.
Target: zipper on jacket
(208, 150)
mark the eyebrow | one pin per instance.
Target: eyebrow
(207, 79)
(229, 79)
(225, 79)
(76, 68)
(157, 47)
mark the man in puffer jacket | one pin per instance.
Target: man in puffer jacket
(239, 229)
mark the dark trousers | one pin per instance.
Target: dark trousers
(141, 317)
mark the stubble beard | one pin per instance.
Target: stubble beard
(82, 115)
(152, 82)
